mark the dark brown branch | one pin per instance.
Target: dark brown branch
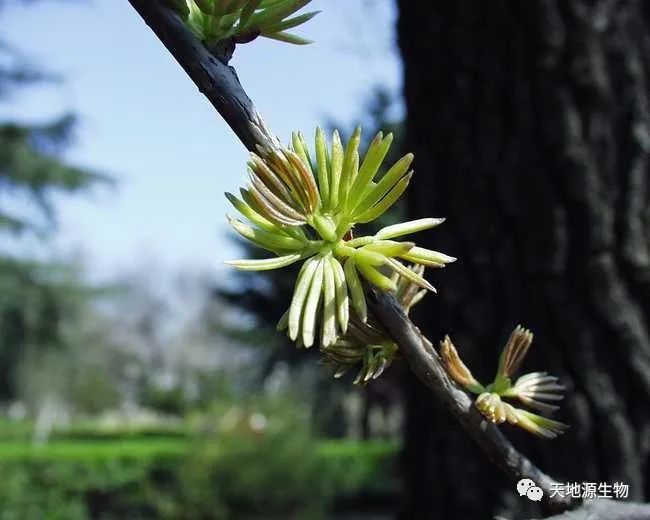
(214, 78)
(425, 363)
(219, 83)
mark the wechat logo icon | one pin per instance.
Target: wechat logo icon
(528, 488)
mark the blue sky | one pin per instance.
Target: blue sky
(144, 122)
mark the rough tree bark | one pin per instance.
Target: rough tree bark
(529, 124)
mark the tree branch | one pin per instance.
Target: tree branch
(424, 361)
(219, 83)
(214, 78)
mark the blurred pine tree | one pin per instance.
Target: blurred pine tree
(36, 298)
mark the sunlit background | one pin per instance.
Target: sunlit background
(143, 122)
(140, 376)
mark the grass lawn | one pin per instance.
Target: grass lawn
(80, 449)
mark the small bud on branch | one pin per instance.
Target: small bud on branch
(533, 389)
(214, 21)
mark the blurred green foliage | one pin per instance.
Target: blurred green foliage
(91, 430)
(251, 458)
(257, 471)
(81, 450)
(274, 476)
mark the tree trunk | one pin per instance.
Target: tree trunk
(529, 124)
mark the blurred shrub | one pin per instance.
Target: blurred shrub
(58, 487)
(172, 401)
(355, 468)
(99, 430)
(265, 464)
(251, 466)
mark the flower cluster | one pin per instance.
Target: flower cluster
(304, 209)
(368, 343)
(213, 21)
(536, 390)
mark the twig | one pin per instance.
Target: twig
(214, 78)
(425, 363)
(219, 83)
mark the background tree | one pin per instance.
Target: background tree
(529, 124)
(36, 299)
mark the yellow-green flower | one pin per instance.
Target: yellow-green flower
(213, 21)
(537, 389)
(368, 344)
(304, 209)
